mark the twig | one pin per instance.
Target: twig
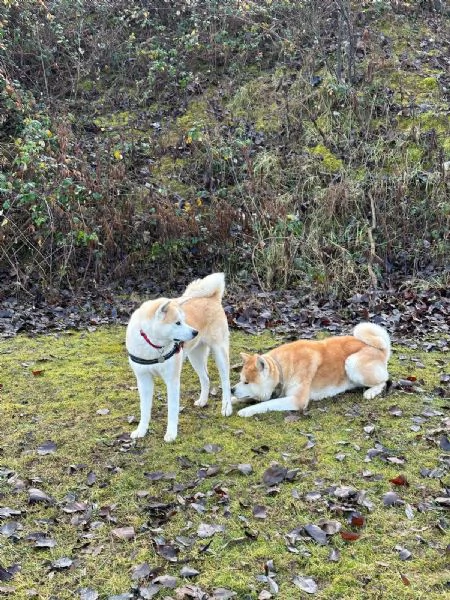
(372, 254)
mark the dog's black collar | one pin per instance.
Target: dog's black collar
(153, 361)
(278, 391)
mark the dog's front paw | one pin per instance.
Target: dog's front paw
(227, 409)
(201, 402)
(170, 436)
(138, 433)
(246, 412)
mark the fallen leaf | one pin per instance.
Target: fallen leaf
(44, 542)
(259, 511)
(395, 411)
(431, 412)
(158, 475)
(124, 533)
(210, 471)
(47, 447)
(6, 574)
(317, 534)
(396, 460)
(187, 571)
(329, 526)
(149, 591)
(140, 572)
(245, 468)
(443, 501)
(312, 496)
(345, 492)
(404, 553)
(10, 529)
(274, 474)
(306, 584)
(167, 551)
(349, 536)
(88, 594)
(392, 499)
(405, 579)
(6, 512)
(444, 443)
(167, 581)
(334, 555)
(399, 480)
(357, 521)
(205, 530)
(62, 563)
(212, 448)
(73, 507)
(35, 495)
(222, 594)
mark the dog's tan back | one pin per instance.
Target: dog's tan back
(323, 361)
(287, 377)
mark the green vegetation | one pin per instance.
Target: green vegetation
(52, 388)
(210, 127)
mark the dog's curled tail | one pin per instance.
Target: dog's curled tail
(373, 335)
(211, 285)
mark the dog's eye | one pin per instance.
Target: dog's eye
(178, 323)
(245, 382)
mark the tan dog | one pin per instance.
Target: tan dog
(161, 331)
(289, 376)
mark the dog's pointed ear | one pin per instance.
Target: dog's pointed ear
(245, 357)
(261, 363)
(162, 310)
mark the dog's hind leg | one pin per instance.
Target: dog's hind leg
(145, 388)
(223, 365)
(368, 368)
(198, 357)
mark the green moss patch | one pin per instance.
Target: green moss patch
(329, 161)
(256, 101)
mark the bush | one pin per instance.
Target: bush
(283, 139)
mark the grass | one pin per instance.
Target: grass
(77, 374)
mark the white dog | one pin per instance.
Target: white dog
(161, 331)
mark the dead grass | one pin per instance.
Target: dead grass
(84, 372)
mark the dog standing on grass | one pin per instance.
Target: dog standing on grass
(289, 376)
(161, 331)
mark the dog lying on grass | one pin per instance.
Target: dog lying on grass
(162, 331)
(289, 376)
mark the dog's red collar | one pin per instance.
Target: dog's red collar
(144, 335)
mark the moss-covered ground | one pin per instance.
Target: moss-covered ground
(51, 389)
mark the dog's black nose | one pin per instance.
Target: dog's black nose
(232, 389)
(194, 333)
